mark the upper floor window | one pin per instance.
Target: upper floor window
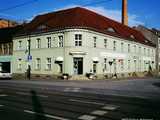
(148, 51)
(95, 42)
(129, 49)
(122, 46)
(129, 62)
(19, 44)
(135, 48)
(78, 40)
(48, 64)
(60, 41)
(139, 50)
(144, 51)
(38, 43)
(105, 43)
(114, 45)
(48, 42)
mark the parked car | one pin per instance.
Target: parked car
(5, 75)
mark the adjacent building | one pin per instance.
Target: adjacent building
(6, 47)
(77, 41)
(152, 35)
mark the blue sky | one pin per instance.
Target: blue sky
(143, 12)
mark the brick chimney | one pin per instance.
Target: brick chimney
(124, 13)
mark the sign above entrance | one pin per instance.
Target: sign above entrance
(77, 53)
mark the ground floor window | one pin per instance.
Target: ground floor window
(20, 64)
(94, 67)
(48, 64)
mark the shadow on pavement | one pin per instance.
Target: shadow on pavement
(157, 84)
(37, 107)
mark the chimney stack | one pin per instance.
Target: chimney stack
(124, 13)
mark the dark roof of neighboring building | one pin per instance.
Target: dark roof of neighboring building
(84, 18)
(6, 34)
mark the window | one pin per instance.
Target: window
(129, 63)
(94, 42)
(144, 51)
(48, 42)
(122, 45)
(105, 43)
(19, 45)
(48, 64)
(19, 64)
(135, 48)
(148, 51)
(38, 44)
(38, 63)
(10, 49)
(114, 45)
(28, 44)
(110, 29)
(105, 64)
(139, 50)
(128, 47)
(61, 41)
(122, 64)
(78, 40)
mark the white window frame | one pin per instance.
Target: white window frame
(38, 63)
(94, 42)
(19, 64)
(19, 44)
(105, 43)
(60, 41)
(114, 45)
(38, 43)
(122, 45)
(49, 42)
(105, 65)
(129, 48)
(78, 39)
(48, 63)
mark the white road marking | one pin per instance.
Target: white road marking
(110, 107)
(1, 105)
(88, 102)
(67, 89)
(87, 117)
(72, 89)
(28, 94)
(99, 112)
(46, 115)
(3, 95)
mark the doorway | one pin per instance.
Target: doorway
(78, 66)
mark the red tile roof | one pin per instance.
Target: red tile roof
(81, 17)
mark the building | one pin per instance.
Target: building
(7, 23)
(77, 41)
(6, 47)
(152, 35)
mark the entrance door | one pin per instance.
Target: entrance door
(78, 66)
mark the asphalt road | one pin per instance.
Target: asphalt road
(26, 102)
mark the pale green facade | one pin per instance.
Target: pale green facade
(137, 59)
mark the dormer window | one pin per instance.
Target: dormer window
(110, 29)
(132, 36)
(146, 41)
(41, 27)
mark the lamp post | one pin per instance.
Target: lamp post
(29, 58)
